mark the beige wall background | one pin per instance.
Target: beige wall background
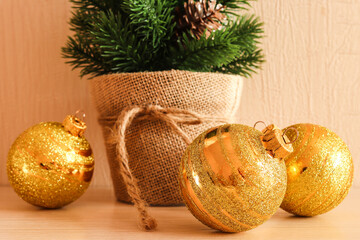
(311, 75)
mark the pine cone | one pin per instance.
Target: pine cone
(199, 17)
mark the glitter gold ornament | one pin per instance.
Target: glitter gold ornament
(232, 177)
(51, 164)
(320, 171)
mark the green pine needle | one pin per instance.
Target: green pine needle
(152, 20)
(84, 56)
(119, 46)
(206, 53)
(235, 4)
(114, 36)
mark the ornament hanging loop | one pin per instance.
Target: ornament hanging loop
(255, 124)
(80, 114)
(274, 142)
(297, 135)
(75, 125)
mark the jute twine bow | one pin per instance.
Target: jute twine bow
(172, 117)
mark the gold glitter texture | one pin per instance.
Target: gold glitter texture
(228, 181)
(320, 171)
(49, 167)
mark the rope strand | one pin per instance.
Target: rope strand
(172, 117)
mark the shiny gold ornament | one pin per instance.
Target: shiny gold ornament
(228, 179)
(320, 171)
(50, 164)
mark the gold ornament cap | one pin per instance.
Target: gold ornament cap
(74, 125)
(275, 142)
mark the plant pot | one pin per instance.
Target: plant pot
(154, 149)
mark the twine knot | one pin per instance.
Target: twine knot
(172, 117)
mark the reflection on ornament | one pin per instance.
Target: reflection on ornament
(229, 181)
(50, 164)
(319, 171)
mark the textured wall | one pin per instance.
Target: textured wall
(35, 84)
(311, 74)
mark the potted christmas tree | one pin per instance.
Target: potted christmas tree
(162, 71)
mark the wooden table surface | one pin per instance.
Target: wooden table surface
(97, 215)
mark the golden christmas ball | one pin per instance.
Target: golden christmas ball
(232, 177)
(319, 171)
(51, 164)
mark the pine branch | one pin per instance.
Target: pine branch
(84, 55)
(82, 21)
(233, 49)
(233, 6)
(86, 13)
(98, 5)
(248, 29)
(236, 4)
(152, 20)
(119, 45)
(139, 35)
(244, 64)
(206, 53)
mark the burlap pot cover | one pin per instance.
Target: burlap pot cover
(154, 149)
